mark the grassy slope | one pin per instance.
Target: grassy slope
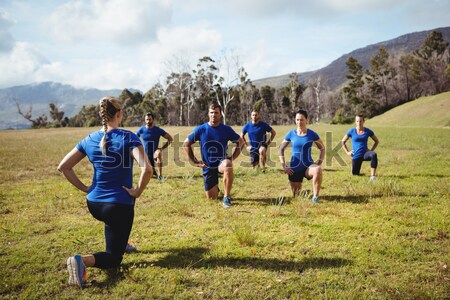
(432, 111)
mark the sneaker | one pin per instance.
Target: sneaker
(315, 199)
(130, 248)
(160, 178)
(372, 178)
(77, 271)
(227, 202)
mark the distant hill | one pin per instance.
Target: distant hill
(68, 98)
(334, 74)
(431, 111)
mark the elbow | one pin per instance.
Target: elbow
(61, 168)
(148, 170)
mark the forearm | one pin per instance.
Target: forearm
(146, 174)
(374, 146)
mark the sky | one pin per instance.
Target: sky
(117, 44)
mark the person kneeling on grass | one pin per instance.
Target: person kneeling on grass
(214, 137)
(360, 152)
(111, 196)
(302, 164)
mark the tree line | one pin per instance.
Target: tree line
(184, 97)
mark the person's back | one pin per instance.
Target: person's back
(113, 170)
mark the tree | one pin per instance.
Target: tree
(434, 57)
(57, 116)
(381, 72)
(409, 67)
(39, 122)
(354, 90)
(317, 92)
(205, 77)
(230, 69)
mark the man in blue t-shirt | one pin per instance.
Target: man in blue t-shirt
(257, 134)
(214, 137)
(150, 135)
(360, 152)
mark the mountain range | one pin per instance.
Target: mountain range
(334, 74)
(70, 99)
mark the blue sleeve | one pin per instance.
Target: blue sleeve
(315, 136)
(245, 129)
(288, 136)
(350, 133)
(370, 132)
(82, 146)
(138, 132)
(267, 127)
(195, 135)
(162, 132)
(134, 141)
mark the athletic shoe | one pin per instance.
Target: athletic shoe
(130, 248)
(227, 202)
(372, 178)
(315, 199)
(160, 178)
(77, 271)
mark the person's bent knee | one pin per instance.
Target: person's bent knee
(262, 151)
(226, 165)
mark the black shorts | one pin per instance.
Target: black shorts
(211, 178)
(254, 157)
(297, 176)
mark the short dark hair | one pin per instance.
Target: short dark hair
(215, 105)
(361, 116)
(149, 115)
(302, 112)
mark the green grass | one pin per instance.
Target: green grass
(431, 111)
(383, 240)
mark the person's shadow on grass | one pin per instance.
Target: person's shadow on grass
(195, 257)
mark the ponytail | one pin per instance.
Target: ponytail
(109, 106)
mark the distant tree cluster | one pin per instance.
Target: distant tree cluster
(186, 93)
(392, 81)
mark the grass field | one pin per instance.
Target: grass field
(383, 240)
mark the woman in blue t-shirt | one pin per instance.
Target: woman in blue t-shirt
(111, 195)
(302, 164)
(360, 152)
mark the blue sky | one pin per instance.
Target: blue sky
(135, 43)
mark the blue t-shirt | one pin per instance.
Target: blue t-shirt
(113, 170)
(256, 134)
(359, 141)
(213, 142)
(301, 157)
(150, 137)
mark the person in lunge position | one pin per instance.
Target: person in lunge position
(302, 164)
(360, 151)
(150, 135)
(111, 195)
(257, 134)
(214, 137)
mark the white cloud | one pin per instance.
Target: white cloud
(189, 43)
(117, 21)
(20, 65)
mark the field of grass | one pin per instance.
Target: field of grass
(431, 111)
(383, 240)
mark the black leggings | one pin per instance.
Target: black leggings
(357, 162)
(118, 219)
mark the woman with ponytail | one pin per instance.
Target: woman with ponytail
(111, 195)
